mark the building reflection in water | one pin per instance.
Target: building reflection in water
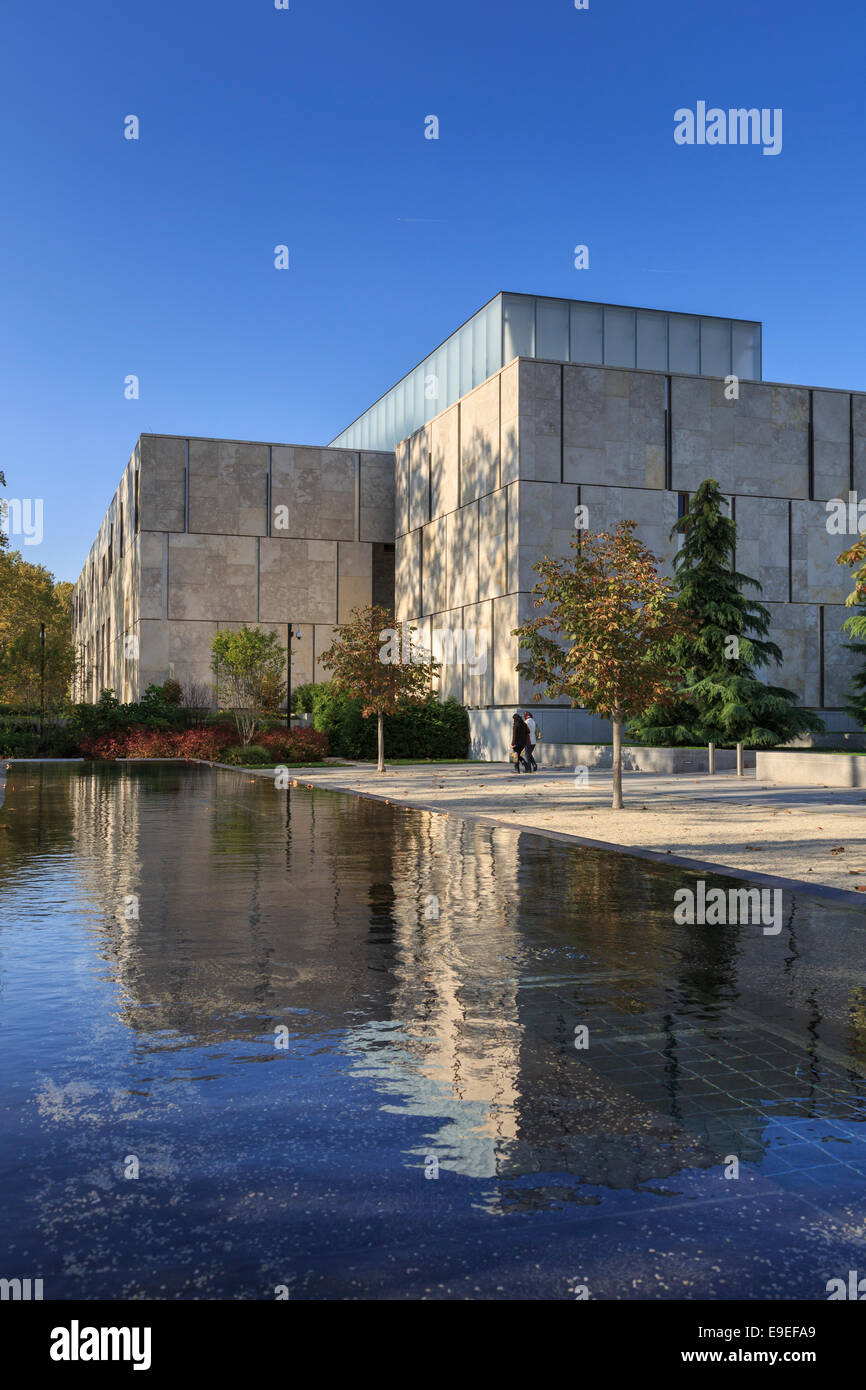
(452, 962)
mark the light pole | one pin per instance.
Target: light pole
(41, 680)
(297, 636)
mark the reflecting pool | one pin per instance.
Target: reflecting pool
(258, 1043)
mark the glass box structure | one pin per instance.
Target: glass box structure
(560, 330)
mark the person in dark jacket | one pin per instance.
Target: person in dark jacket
(519, 743)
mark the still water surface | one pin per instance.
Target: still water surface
(163, 929)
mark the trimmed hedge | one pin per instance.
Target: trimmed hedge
(434, 729)
(215, 743)
(138, 742)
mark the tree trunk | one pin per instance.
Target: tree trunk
(381, 764)
(616, 803)
(740, 772)
(711, 758)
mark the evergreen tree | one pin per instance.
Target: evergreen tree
(719, 698)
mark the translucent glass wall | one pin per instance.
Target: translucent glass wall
(562, 330)
(464, 360)
(568, 330)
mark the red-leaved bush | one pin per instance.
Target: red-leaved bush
(207, 743)
(295, 745)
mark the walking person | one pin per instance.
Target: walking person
(519, 742)
(532, 727)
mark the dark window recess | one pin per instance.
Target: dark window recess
(121, 532)
(137, 497)
(682, 504)
(383, 575)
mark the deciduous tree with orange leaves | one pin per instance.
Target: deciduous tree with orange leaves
(381, 664)
(609, 618)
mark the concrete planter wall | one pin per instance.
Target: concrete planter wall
(600, 755)
(659, 760)
(813, 769)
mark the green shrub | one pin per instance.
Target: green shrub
(434, 729)
(19, 742)
(302, 698)
(20, 738)
(252, 755)
(152, 711)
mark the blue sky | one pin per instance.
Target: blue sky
(306, 127)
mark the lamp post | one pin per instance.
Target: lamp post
(297, 635)
(41, 680)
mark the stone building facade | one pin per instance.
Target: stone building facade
(204, 534)
(488, 487)
(448, 521)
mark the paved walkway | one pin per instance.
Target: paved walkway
(817, 834)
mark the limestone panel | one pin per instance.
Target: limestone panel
(153, 653)
(526, 690)
(189, 651)
(614, 427)
(451, 675)
(762, 545)
(505, 650)
(401, 488)
(540, 436)
(462, 556)
(832, 461)
(479, 441)
(840, 665)
(323, 636)
(435, 591)
(509, 423)
(162, 483)
(655, 512)
(355, 578)
(859, 415)
(421, 630)
(212, 577)
(407, 575)
(190, 642)
(794, 627)
(153, 645)
(316, 489)
(758, 444)
(228, 487)
(477, 654)
(512, 505)
(492, 548)
(298, 581)
(150, 549)
(444, 466)
(546, 525)
(377, 520)
(815, 575)
(419, 477)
